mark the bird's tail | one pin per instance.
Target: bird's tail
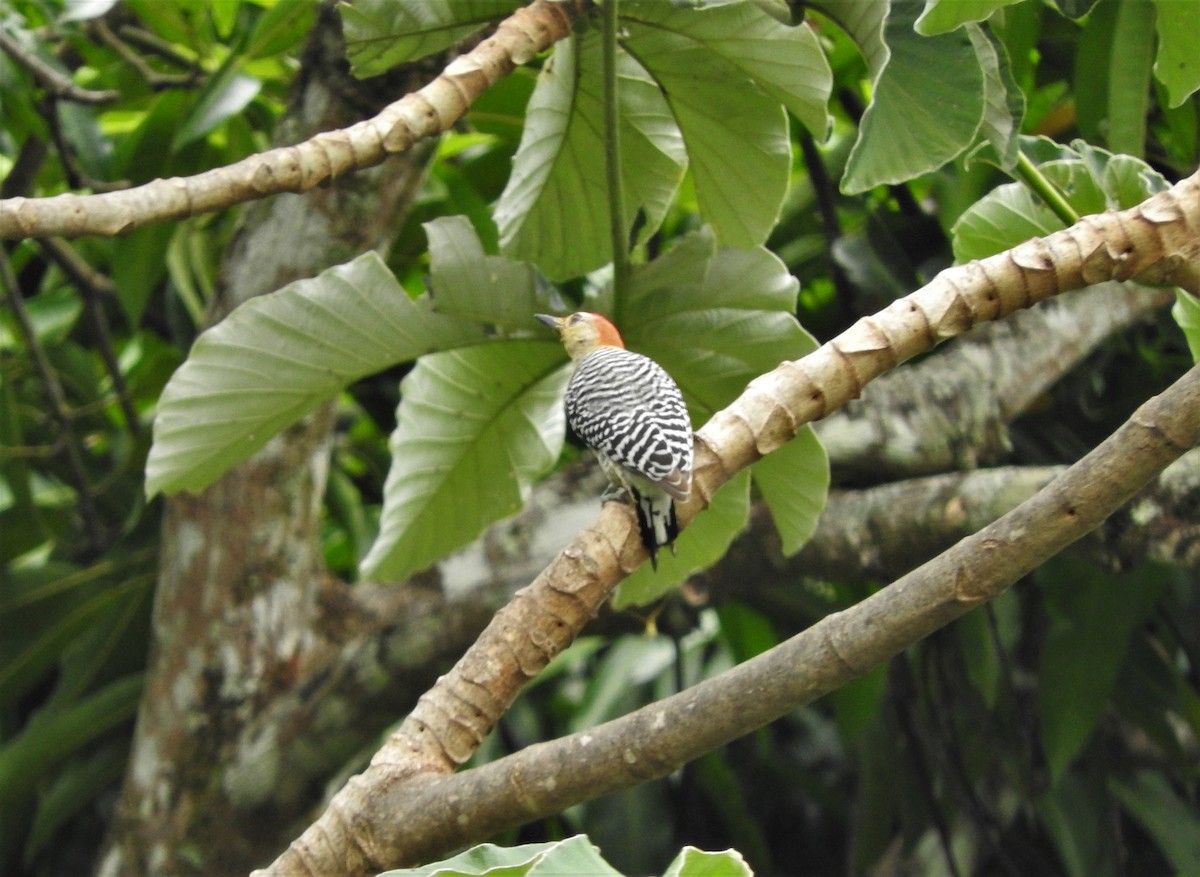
(656, 521)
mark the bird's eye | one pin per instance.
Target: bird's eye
(576, 318)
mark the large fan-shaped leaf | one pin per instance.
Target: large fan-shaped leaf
(721, 113)
(714, 318)
(926, 108)
(475, 426)
(277, 357)
(383, 33)
(469, 283)
(555, 210)
(786, 62)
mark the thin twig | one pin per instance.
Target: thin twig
(55, 83)
(77, 177)
(92, 285)
(156, 80)
(58, 405)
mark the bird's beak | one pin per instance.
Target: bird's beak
(551, 321)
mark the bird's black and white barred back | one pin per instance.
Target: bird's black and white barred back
(627, 408)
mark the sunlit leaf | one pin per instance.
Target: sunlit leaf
(941, 16)
(786, 62)
(692, 862)
(736, 135)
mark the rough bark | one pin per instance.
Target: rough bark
(243, 597)
(387, 816)
(1155, 242)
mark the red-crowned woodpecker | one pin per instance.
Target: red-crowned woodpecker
(627, 409)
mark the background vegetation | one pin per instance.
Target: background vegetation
(1053, 731)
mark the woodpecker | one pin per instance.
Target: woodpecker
(627, 409)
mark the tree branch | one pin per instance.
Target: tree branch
(395, 822)
(1154, 242)
(325, 156)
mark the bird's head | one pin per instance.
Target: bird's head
(583, 332)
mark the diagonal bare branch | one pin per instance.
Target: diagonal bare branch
(298, 168)
(1156, 242)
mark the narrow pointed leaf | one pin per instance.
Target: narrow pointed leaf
(475, 427)
(277, 357)
(554, 211)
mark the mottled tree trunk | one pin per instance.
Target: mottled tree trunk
(241, 607)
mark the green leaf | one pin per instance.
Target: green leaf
(1171, 821)
(568, 858)
(469, 283)
(1091, 179)
(280, 27)
(1073, 818)
(1005, 103)
(1186, 312)
(942, 16)
(1177, 64)
(702, 544)
(224, 95)
(279, 356)
(692, 862)
(33, 753)
(927, 105)
(555, 210)
(788, 63)
(714, 319)
(1084, 649)
(1129, 76)
(794, 481)
(474, 428)
(865, 23)
(75, 789)
(383, 33)
(736, 134)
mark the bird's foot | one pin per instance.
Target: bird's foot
(618, 493)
